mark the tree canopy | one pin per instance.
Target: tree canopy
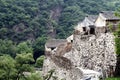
(23, 20)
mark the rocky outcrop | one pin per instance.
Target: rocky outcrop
(88, 52)
(64, 69)
(94, 52)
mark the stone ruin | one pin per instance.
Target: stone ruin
(88, 50)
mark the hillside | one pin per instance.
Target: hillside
(30, 19)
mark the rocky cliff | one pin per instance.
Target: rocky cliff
(95, 52)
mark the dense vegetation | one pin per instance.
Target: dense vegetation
(113, 79)
(117, 46)
(36, 20)
(30, 19)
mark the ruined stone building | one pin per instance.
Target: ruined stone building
(54, 43)
(91, 46)
(105, 21)
(91, 24)
(87, 26)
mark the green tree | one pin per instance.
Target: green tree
(34, 76)
(7, 47)
(39, 61)
(23, 64)
(7, 68)
(38, 46)
(24, 47)
(117, 46)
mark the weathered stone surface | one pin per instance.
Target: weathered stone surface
(61, 72)
(88, 52)
(96, 53)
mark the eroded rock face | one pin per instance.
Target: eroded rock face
(94, 52)
(88, 52)
(64, 70)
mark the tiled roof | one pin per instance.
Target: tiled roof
(52, 43)
(89, 20)
(92, 18)
(109, 15)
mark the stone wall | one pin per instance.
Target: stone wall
(94, 52)
(64, 69)
(88, 52)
